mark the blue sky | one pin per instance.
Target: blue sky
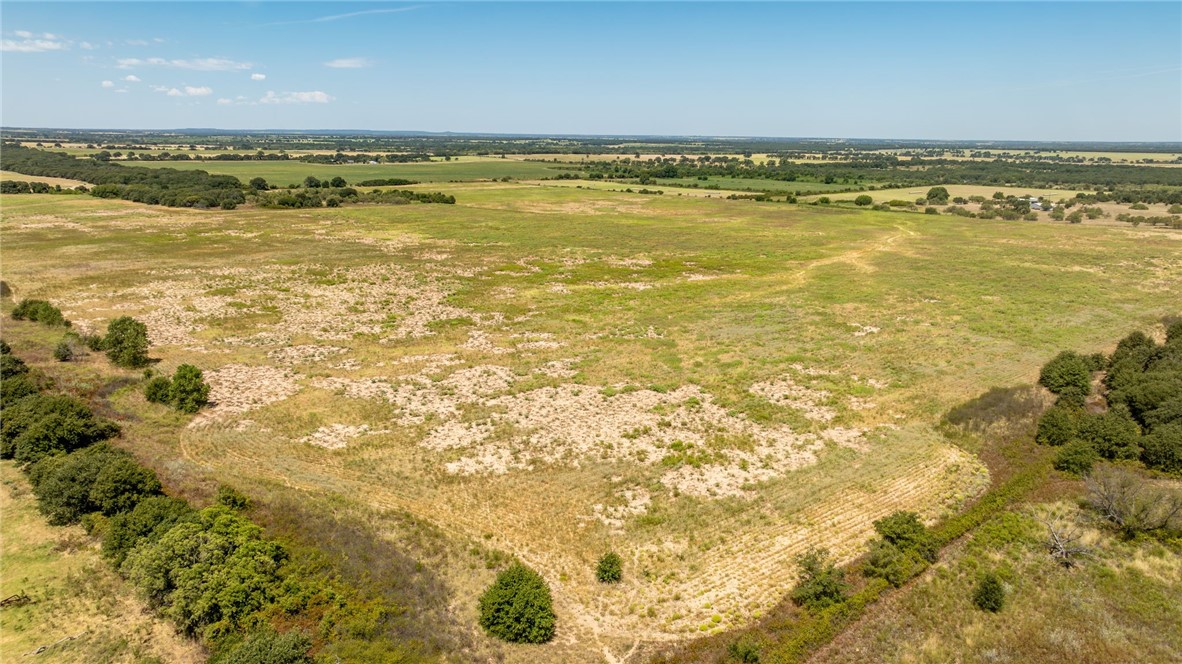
(961, 70)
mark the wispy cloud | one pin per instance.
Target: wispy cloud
(349, 63)
(108, 84)
(258, 77)
(197, 64)
(30, 42)
(311, 97)
(337, 17)
(185, 91)
(132, 78)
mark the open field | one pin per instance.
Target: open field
(293, 172)
(708, 387)
(756, 184)
(64, 182)
(74, 593)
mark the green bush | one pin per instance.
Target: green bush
(228, 496)
(11, 365)
(1076, 457)
(121, 485)
(1162, 448)
(863, 200)
(5, 349)
(610, 568)
(63, 351)
(517, 607)
(268, 647)
(1059, 425)
(16, 388)
(40, 311)
(1113, 434)
(158, 389)
(1067, 372)
(144, 524)
(40, 425)
(819, 584)
(990, 594)
(746, 650)
(906, 531)
(64, 484)
(937, 196)
(126, 342)
(189, 392)
(209, 573)
(905, 548)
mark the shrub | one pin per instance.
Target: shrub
(268, 647)
(12, 366)
(189, 391)
(863, 200)
(610, 568)
(215, 569)
(905, 530)
(1067, 371)
(820, 584)
(151, 518)
(745, 650)
(1113, 434)
(1059, 425)
(121, 485)
(904, 550)
(16, 388)
(517, 607)
(63, 351)
(1162, 448)
(1132, 504)
(63, 484)
(158, 389)
(40, 311)
(990, 594)
(228, 496)
(930, 210)
(126, 342)
(5, 349)
(41, 425)
(1076, 457)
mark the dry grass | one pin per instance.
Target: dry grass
(707, 387)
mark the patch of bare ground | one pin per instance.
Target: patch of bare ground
(239, 388)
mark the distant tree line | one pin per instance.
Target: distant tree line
(154, 186)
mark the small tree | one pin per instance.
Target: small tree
(990, 594)
(610, 568)
(121, 485)
(127, 342)
(937, 196)
(1067, 371)
(863, 200)
(1059, 425)
(819, 583)
(189, 391)
(63, 352)
(517, 607)
(259, 184)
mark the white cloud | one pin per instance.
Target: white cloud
(87, 46)
(198, 64)
(311, 97)
(349, 63)
(31, 43)
(337, 17)
(258, 77)
(108, 84)
(225, 102)
(132, 78)
(186, 91)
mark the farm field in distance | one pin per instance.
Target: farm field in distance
(707, 387)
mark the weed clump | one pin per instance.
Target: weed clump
(610, 568)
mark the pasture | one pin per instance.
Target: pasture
(707, 387)
(283, 173)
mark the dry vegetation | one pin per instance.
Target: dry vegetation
(707, 387)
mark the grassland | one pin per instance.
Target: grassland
(283, 173)
(74, 594)
(64, 182)
(707, 387)
(961, 190)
